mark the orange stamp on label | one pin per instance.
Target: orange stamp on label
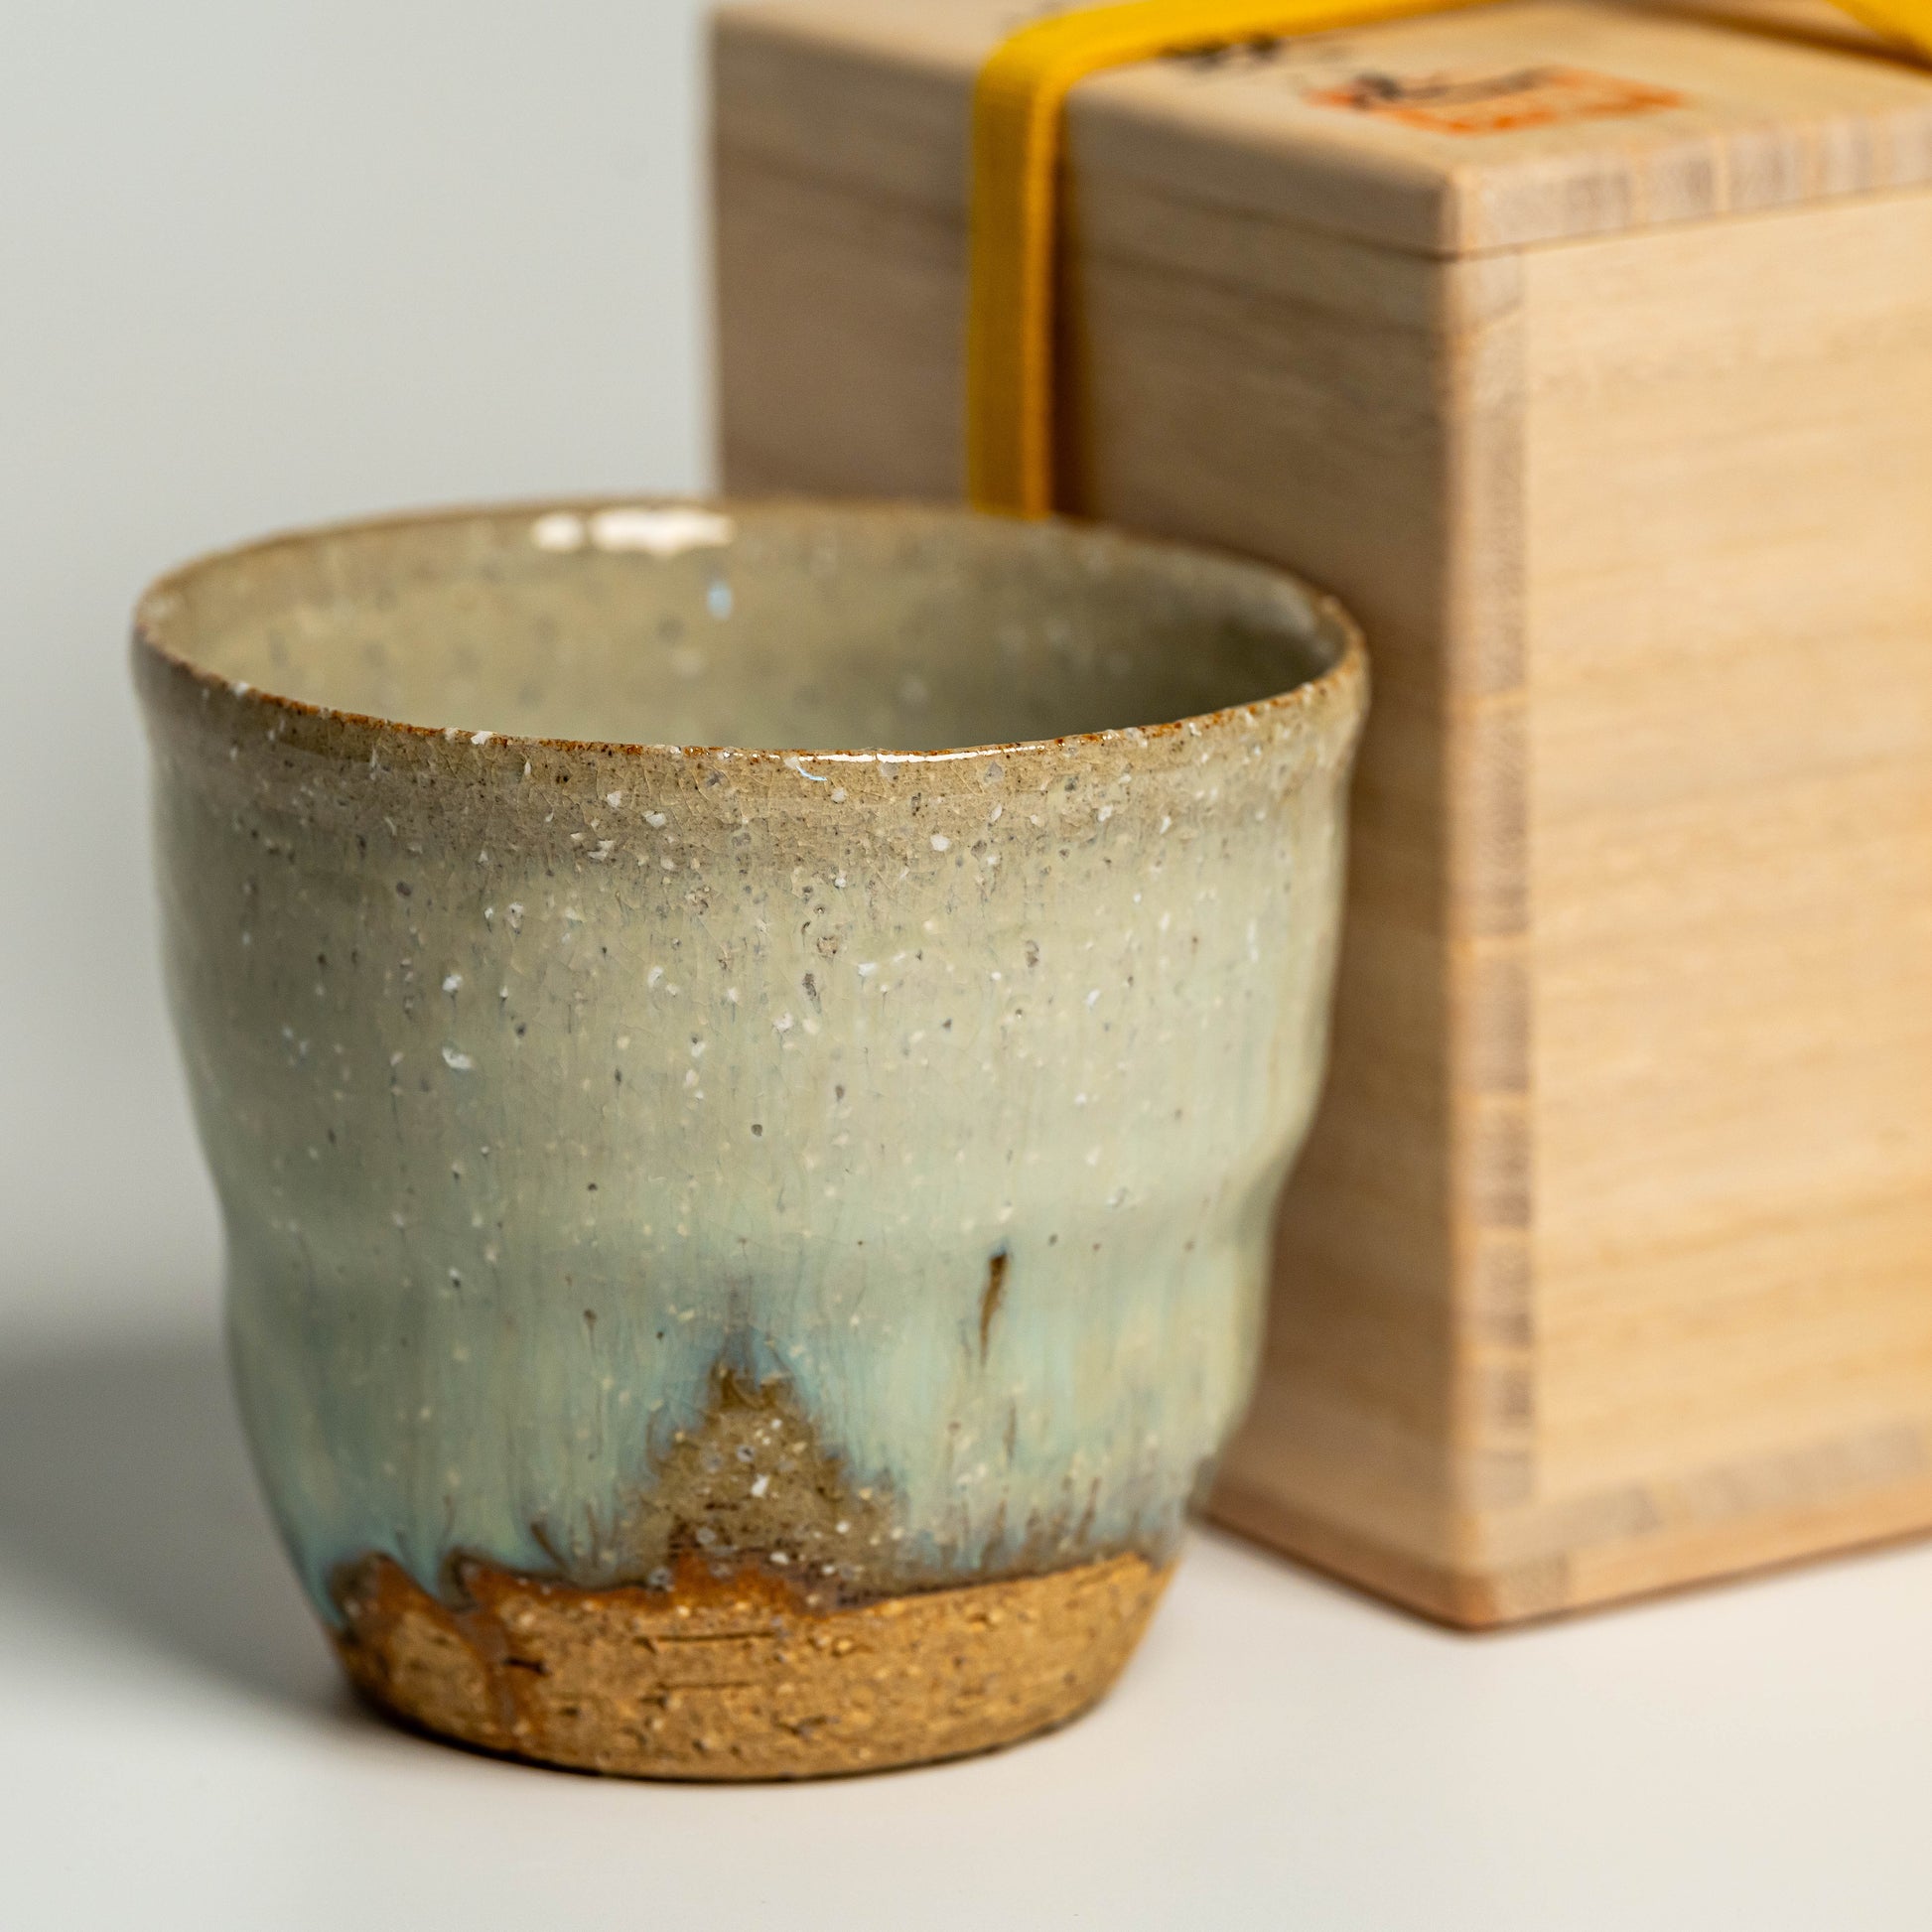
(1496, 103)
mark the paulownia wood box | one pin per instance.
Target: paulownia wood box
(1587, 355)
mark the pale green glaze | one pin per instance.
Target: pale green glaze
(545, 1082)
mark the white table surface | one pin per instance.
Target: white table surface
(176, 1750)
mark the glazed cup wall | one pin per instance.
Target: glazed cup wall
(553, 1092)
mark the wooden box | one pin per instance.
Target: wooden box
(1586, 353)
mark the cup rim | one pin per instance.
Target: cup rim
(1336, 695)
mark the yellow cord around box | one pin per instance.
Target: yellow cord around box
(1019, 112)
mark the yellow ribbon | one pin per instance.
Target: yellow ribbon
(1019, 112)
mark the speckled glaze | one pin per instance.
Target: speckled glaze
(784, 1186)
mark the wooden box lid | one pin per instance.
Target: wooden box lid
(1454, 134)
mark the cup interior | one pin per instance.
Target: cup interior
(776, 626)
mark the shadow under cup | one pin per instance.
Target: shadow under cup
(740, 1258)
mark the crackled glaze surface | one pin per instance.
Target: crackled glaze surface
(846, 1172)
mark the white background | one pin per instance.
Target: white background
(267, 262)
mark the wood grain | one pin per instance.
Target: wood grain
(1609, 1264)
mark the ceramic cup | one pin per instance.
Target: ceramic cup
(740, 1258)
